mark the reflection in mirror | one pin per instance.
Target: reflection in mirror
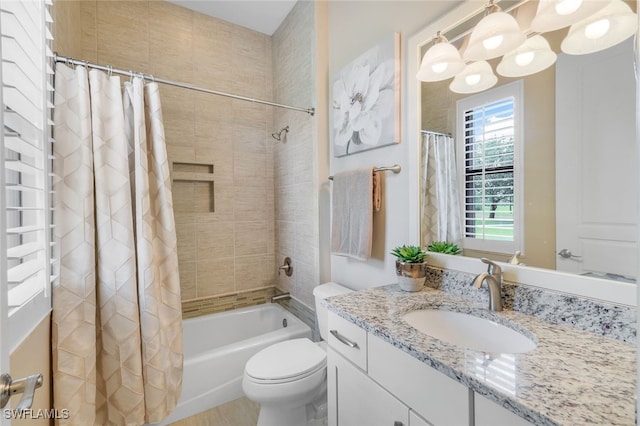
(564, 193)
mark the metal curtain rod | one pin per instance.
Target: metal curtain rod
(67, 60)
(436, 133)
(395, 169)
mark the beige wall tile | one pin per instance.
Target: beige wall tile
(171, 41)
(178, 109)
(67, 33)
(252, 203)
(186, 233)
(212, 55)
(187, 280)
(255, 271)
(183, 196)
(305, 276)
(215, 240)
(89, 30)
(215, 276)
(252, 238)
(123, 34)
(251, 169)
(249, 138)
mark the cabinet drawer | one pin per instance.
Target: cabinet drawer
(441, 401)
(348, 339)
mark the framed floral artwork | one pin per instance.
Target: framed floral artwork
(366, 100)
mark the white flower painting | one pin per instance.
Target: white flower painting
(365, 100)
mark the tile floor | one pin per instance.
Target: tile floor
(240, 412)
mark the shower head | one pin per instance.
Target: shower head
(278, 135)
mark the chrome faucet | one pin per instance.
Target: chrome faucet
(493, 277)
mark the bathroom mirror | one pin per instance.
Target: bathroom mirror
(542, 238)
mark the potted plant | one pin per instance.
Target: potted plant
(444, 247)
(411, 267)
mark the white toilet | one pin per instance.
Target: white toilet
(289, 379)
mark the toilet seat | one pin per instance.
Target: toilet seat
(286, 361)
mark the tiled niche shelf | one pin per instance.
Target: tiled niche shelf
(196, 178)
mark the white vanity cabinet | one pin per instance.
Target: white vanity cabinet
(488, 413)
(356, 400)
(370, 382)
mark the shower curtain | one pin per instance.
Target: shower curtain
(440, 204)
(116, 321)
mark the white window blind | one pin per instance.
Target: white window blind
(26, 141)
(490, 126)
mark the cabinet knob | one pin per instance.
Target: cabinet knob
(397, 423)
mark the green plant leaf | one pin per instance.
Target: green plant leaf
(409, 254)
(444, 247)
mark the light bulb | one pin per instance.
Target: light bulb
(525, 58)
(567, 7)
(440, 67)
(472, 79)
(597, 29)
(493, 43)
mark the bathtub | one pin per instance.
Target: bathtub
(216, 348)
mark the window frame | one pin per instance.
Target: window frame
(515, 90)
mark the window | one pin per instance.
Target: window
(489, 160)
(26, 143)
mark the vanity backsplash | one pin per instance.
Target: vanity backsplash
(595, 316)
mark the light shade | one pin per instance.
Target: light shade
(495, 35)
(440, 62)
(533, 56)
(611, 25)
(476, 77)
(556, 14)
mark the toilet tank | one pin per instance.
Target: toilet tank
(324, 291)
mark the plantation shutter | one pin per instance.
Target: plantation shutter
(26, 142)
(489, 125)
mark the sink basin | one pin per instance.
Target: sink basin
(469, 331)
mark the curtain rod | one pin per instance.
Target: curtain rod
(67, 60)
(395, 169)
(436, 133)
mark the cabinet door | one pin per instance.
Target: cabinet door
(356, 400)
(437, 398)
(488, 413)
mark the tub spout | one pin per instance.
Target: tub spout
(283, 296)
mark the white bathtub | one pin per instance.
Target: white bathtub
(216, 348)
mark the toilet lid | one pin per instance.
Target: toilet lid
(286, 360)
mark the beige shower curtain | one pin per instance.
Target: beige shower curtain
(117, 331)
(440, 218)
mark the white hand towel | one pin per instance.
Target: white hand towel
(352, 213)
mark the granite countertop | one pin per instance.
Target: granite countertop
(572, 377)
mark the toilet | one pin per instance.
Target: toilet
(289, 379)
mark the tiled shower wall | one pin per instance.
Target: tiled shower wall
(231, 248)
(294, 53)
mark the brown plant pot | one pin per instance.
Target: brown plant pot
(411, 276)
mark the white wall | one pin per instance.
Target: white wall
(354, 27)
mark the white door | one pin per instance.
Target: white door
(596, 164)
(25, 245)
